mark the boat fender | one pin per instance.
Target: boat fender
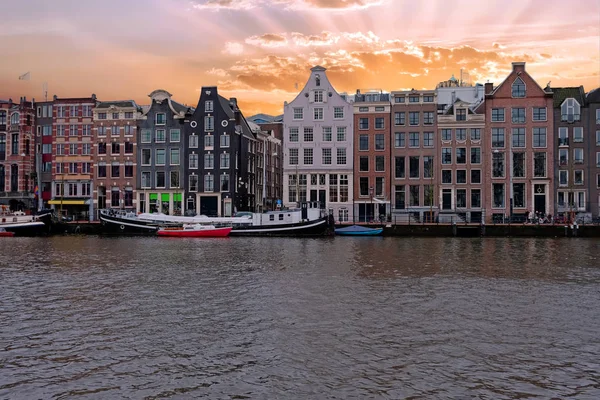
(122, 227)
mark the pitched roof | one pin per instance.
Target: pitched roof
(121, 103)
(227, 107)
(560, 94)
(593, 96)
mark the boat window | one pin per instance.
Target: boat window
(281, 217)
(271, 218)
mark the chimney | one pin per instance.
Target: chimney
(94, 96)
(518, 66)
(55, 97)
(489, 87)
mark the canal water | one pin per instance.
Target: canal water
(337, 318)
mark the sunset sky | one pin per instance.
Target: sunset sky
(257, 50)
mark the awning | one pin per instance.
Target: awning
(67, 202)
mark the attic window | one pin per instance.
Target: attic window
(570, 110)
(461, 114)
(518, 88)
(317, 80)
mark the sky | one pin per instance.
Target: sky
(259, 50)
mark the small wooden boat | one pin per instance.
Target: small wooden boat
(356, 230)
(5, 233)
(195, 230)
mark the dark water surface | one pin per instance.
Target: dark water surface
(85, 317)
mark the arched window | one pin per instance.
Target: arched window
(518, 88)
(2, 117)
(14, 118)
(318, 80)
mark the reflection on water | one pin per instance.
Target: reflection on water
(299, 318)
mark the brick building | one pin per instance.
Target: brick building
(72, 158)
(17, 155)
(519, 157)
(414, 118)
(372, 195)
(593, 133)
(43, 125)
(115, 160)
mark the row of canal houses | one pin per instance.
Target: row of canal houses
(456, 152)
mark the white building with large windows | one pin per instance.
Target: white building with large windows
(318, 147)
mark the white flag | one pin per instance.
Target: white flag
(25, 76)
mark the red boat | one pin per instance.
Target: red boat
(195, 230)
(5, 233)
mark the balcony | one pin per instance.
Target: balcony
(570, 118)
(563, 141)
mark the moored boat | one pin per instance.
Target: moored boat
(5, 233)
(20, 224)
(357, 230)
(194, 230)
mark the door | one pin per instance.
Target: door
(313, 195)
(209, 206)
(539, 198)
(447, 199)
(322, 198)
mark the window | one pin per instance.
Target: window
(379, 163)
(363, 109)
(174, 179)
(518, 115)
(318, 114)
(563, 177)
(326, 156)
(160, 179)
(519, 195)
(539, 137)
(598, 159)
(193, 161)
(209, 142)
(578, 177)
(364, 185)
(293, 156)
(399, 139)
(308, 134)
(415, 195)
(338, 112)
(224, 161)
(115, 115)
(497, 137)
(399, 167)
(518, 137)
(174, 156)
(341, 156)
(428, 139)
(128, 147)
(413, 99)
(475, 134)
(399, 99)
(446, 155)
(379, 108)
(73, 149)
(380, 141)
(447, 176)
(475, 155)
(72, 130)
(161, 119)
(498, 195)
(518, 165)
(413, 118)
(497, 114)
(47, 130)
(175, 135)
(298, 113)
(102, 148)
(461, 134)
(60, 130)
(539, 113)
(61, 113)
(563, 156)
(427, 98)
(498, 165)
(114, 130)
(146, 179)
(209, 161)
(224, 183)
(209, 123)
(194, 141)
(208, 106)
(379, 186)
(318, 96)
(413, 139)
(578, 156)
(446, 135)
(46, 147)
(461, 176)
(333, 188)
(578, 134)
(363, 123)
(399, 118)
(128, 115)
(114, 170)
(518, 88)
(461, 114)
(428, 167)
(461, 155)
(413, 167)
(570, 110)
(160, 156)
(15, 144)
(128, 169)
(363, 142)
(379, 123)
(475, 176)
(115, 148)
(475, 198)
(341, 134)
(539, 165)
(146, 136)
(308, 156)
(461, 198)
(225, 140)
(102, 170)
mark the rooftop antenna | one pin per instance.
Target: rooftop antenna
(45, 90)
